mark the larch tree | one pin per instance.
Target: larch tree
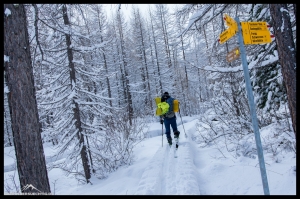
(67, 34)
(31, 163)
(101, 21)
(162, 21)
(156, 63)
(124, 63)
(61, 95)
(140, 46)
(183, 69)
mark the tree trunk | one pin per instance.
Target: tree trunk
(7, 129)
(209, 57)
(152, 61)
(7, 123)
(26, 128)
(124, 61)
(186, 80)
(156, 56)
(83, 152)
(145, 62)
(101, 25)
(165, 36)
(286, 52)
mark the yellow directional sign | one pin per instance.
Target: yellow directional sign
(230, 22)
(225, 35)
(255, 33)
(229, 32)
(233, 55)
(260, 37)
(258, 26)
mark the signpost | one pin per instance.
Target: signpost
(253, 113)
(233, 55)
(258, 26)
(231, 23)
(255, 33)
(229, 32)
(225, 35)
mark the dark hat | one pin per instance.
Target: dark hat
(166, 95)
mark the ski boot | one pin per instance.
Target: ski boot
(170, 141)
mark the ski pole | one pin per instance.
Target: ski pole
(182, 123)
(162, 132)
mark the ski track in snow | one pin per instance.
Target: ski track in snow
(167, 175)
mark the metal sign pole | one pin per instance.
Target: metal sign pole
(253, 111)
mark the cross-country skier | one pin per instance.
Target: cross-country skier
(169, 118)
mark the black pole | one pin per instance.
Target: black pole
(182, 125)
(162, 132)
(182, 122)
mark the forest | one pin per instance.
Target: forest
(85, 80)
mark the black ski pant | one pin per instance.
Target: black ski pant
(170, 122)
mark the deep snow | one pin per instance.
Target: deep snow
(155, 171)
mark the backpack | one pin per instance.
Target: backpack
(170, 113)
(164, 107)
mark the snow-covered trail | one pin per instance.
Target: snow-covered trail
(167, 175)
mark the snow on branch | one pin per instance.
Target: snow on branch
(196, 17)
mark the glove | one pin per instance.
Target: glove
(161, 121)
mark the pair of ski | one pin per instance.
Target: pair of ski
(176, 147)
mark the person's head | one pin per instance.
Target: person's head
(165, 95)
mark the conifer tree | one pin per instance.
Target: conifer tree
(31, 163)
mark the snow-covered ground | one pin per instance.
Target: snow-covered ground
(155, 170)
